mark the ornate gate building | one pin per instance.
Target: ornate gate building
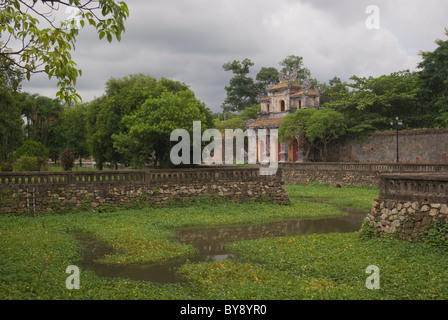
(282, 99)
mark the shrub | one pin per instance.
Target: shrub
(6, 166)
(31, 149)
(67, 158)
(26, 163)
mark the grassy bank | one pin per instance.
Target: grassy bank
(35, 252)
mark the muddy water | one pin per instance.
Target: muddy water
(210, 244)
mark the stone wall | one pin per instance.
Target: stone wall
(409, 206)
(343, 174)
(36, 192)
(414, 146)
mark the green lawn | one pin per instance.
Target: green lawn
(56, 167)
(35, 252)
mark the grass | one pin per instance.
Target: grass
(56, 167)
(35, 252)
(348, 197)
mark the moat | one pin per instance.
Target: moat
(211, 245)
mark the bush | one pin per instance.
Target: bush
(67, 158)
(26, 163)
(6, 166)
(31, 149)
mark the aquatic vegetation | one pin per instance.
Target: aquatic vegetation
(36, 251)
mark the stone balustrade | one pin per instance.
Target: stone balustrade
(409, 206)
(343, 174)
(22, 192)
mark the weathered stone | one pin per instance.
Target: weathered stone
(433, 212)
(415, 206)
(444, 209)
(394, 225)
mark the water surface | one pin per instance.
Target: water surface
(210, 244)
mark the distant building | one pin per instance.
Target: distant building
(281, 100)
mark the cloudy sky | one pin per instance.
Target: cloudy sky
(190, 40)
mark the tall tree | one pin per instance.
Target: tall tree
(241, 91)
(43, 42)
(148, 130)
(334, 91)
(40, 114)
(370, 103)
(71, 131)
(10, 113)
(266, 76)
(293, 69)
(434, 78)
(122, 97)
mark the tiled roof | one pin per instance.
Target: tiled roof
(266, 122)
(280, 85)
(301, 92)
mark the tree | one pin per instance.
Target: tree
(10, 114)
(266, 77)
(293, 69)
(122, 97)
(296, 125)
(334, 91)
(323, 126)
(251, 112)
(434, 82)
(39, 42)
(71, 131)
(241, 91)
(40, 113)
(371, 102)
(232, 123)
(317, 127)
(148, 130)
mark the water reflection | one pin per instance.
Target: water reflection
(210, 244)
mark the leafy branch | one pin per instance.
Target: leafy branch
(37, 42)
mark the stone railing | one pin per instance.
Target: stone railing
(429, 187)
(131, 176)
(43, 191)
(373, 167)
(336, 173)
(409, 205)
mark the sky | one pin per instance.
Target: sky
(190, 40)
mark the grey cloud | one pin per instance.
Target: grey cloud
(189, 41)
